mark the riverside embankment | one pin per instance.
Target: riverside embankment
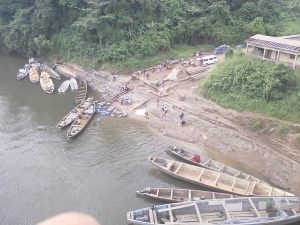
(208, 126)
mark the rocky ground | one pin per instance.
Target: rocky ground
(220, 132)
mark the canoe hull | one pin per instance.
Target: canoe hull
(85, 117)
(64, 86)
(180, 195)
(81, 92)
(72, 115)
(215, 180)
(243, 210)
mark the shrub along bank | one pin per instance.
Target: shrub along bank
(247, 84)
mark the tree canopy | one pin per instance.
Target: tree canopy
(112, 30)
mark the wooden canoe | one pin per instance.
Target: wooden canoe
(34, 75)
(81, 120)
(51, 72)
(81, 92)
(244, 210)
(64, 86)
(215, 180)
(209, 163)
(22, 74)
(46, 82)
(181, 195)
(72, 115)
(73, 84)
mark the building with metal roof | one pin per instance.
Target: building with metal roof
(276, 49)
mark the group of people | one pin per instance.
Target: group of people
(182, 121)
(164, 110)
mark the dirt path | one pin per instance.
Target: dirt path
(208, 125)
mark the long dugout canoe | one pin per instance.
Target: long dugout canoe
(215, 180)
(209, 163)
(181, 195)
(244, 210)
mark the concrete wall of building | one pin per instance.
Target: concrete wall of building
(284, 57)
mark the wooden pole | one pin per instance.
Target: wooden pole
(294, 66)
(264, 53)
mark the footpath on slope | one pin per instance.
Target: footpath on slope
(167, 91)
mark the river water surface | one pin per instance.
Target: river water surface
(42, 174)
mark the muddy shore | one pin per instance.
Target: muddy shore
(207, 126)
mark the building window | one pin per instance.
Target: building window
(292, 56)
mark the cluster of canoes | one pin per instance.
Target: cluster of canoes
(38, 72)
(78, 118)
(43, 74)
(240, 198)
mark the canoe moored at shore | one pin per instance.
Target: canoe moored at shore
(34, 75)
(180, 195)
(81, 92)
(50, 71)
(81, 121)
(73, 84)
(215, 180)
(22, 74)
(46, 82)
(72, 115)
(244, 210)
(32, 60)
(209, 163)
(64, 86)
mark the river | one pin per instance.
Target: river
(43, 174)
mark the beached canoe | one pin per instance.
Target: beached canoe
(81, 121)
(72, 115)
(64, 86)
(34, 75)
(53, 74)
(32, 61)
(206, 162)
(244, 210)
(22, 74)
(46, 82)
(73, 84)
(181, 195)
(81, 92)
(215, 180)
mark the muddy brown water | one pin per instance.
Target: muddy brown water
(43, 174)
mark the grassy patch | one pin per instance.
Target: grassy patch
(256, 125)
(241, 83)
(283, 130)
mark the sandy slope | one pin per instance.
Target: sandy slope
(208, 126)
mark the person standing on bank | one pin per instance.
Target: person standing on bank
(181, 115)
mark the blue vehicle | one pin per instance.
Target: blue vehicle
(221, 49)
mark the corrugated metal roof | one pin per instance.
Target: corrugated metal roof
(275, 43)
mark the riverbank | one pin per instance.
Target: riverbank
(207, 125)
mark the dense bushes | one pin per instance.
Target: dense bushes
(111, 30)
(247, 84)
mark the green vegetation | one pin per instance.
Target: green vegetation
(133, 33)
(290, 20)
(243, 83)
(283, 130)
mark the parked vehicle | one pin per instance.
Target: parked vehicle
(207, 60)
